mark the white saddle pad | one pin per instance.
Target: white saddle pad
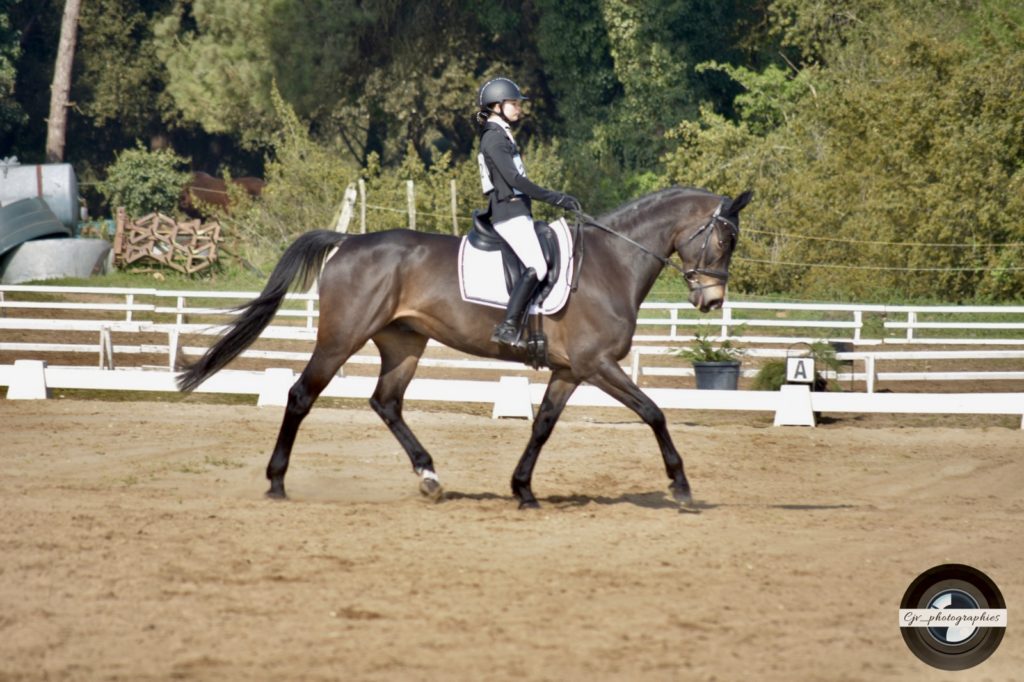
(482, 276)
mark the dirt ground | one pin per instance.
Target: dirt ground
(137, 546)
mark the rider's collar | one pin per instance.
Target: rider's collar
(499, 121)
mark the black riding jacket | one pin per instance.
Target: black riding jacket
(512, 191)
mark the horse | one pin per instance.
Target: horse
(207, 189)
(399, 288)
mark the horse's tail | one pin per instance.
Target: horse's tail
(299, 265)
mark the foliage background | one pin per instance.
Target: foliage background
(884, 138)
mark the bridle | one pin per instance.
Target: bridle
(711, 227)
(708, 229)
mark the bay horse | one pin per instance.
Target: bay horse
(399, 288)
(204, 188)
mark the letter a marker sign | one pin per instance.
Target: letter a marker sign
(800, 370)
(795, 396)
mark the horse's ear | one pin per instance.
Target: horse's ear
(736, 205)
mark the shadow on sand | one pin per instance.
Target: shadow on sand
(649, 500)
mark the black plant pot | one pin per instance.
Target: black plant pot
(717, 376)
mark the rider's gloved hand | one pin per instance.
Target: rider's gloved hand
(569, 202)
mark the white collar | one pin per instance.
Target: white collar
(494, 118)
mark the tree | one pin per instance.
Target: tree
(896, 169)
(11, 113)
(57, 124)
(120, 80)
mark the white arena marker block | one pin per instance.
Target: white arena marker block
(513, 398)
(28, 381)
(274, 389)
(794, 406)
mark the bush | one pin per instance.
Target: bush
(145, 181)
(772, 374)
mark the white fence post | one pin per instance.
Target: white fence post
(455, 208)
(173, 347)
(106, 349)
(348, 204)
(362, 206)
(410, 196)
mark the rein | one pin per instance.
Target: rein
(688, 274)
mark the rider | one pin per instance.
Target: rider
(504, 182)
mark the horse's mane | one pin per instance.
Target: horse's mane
(650, 200)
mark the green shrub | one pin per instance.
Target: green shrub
(145, 181)
(772, 374)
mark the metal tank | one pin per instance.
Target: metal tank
(54, 183)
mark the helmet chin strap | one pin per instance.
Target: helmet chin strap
(500, 113)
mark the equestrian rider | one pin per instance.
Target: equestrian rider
(510, 192)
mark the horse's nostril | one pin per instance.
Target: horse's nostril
(711, 305)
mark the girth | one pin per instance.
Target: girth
(484, 237)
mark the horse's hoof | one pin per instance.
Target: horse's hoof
(529, 504)
(431, 489)
(276, 495)
(682, 496)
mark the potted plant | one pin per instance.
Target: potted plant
(717, 367)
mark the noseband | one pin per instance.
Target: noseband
(690, 275)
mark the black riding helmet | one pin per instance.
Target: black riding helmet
(498, 90)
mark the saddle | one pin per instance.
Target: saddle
(484, 237)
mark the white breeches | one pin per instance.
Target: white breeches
(519, 234)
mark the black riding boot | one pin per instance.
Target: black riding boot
(509, 331)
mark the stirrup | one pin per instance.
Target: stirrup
(506, 333)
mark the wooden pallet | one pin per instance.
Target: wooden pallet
(189, 246)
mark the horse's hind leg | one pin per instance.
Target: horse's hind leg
(400, 350)
(314, 379)
(612, 380)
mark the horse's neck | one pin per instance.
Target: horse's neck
(655, 234)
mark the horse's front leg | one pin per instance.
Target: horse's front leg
(559, 389)
(612, 380)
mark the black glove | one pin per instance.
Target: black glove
(569, 202)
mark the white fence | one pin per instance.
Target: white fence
(171, 314)
(792, 406)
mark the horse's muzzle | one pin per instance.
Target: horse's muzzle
(713, 305)
(709, 298)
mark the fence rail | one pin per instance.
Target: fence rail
(792, 406)
(673, 321)
(174, 314)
